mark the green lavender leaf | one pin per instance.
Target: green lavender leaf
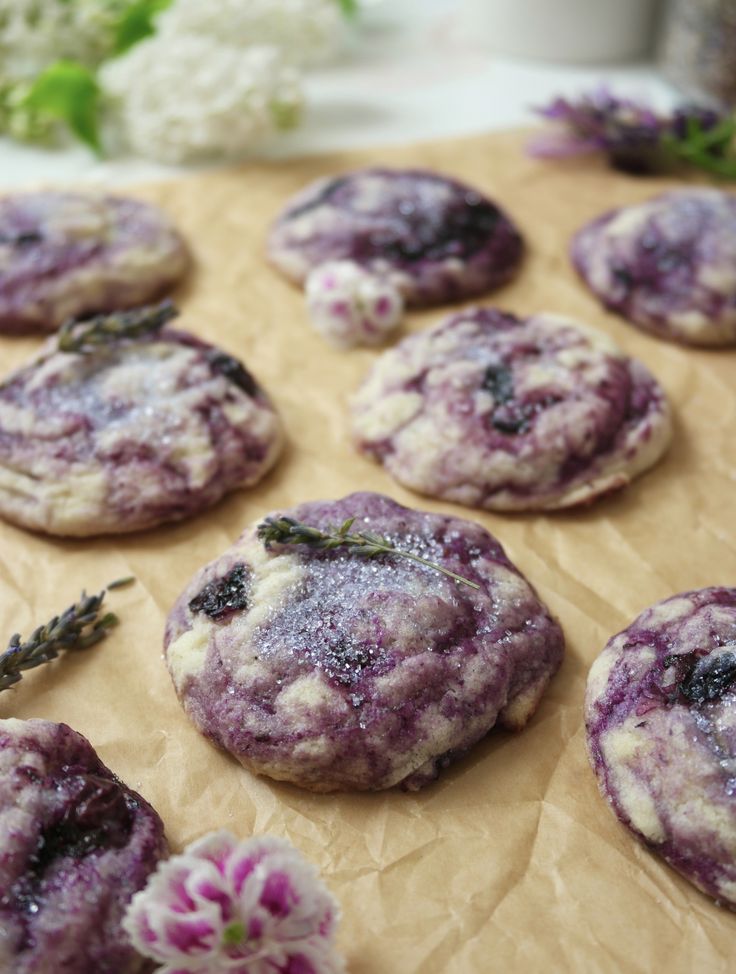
(67, 91)
(709, 149)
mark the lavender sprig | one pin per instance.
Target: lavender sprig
(85, 336)
(286, 530)
(76, 628)
(634, 137)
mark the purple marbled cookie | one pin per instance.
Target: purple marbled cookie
(667, 265)
(490, 410)
(337, 672)
(75, 845)
(133, 434)
(661, 725)
(64, 255)
(435, 238)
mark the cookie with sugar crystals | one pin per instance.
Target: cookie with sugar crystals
(336, 672)
(506, 413)
(668, 265)
(129, 434)
(64, 255)
(75, 845)
(437, 239)
(661, 729)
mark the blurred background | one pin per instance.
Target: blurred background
(118, 90)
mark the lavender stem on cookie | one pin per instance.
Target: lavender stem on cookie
(285, 530)
(84, 336)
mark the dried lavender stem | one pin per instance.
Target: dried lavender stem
(78, 627)
(85, 336)
(286, 530)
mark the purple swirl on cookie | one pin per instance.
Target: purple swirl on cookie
(661, 727)
(495, 411)
(667, 265)
(437, 239)
(75, 845)
(130, 435)
(64, 255)
(338, 672)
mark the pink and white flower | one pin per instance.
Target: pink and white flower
(226, 906)
(351, 306)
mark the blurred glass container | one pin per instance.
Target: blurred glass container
(577, 31)
(697, 48)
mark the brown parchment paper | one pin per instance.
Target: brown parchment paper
(511, 861)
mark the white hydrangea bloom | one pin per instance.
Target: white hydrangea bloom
(184, 98)
(350, 306)
(35, 33)
(306, 31)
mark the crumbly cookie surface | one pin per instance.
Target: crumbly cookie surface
(75, 845)
(65, 255)
(337, 672)
(130, 435)
(667, 265)
(494, 411)
(436, 239)
(661, 727)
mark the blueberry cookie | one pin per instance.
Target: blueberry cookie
(661, 725)
(667, 265)
(436, 239)
(336, 671)
(494, 411)
(129, 434)
(64, 255)
(75, 845)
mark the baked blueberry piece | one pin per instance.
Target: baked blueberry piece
(508, 413)
(667, 265)
(64, 255)
(75, 845)
(129, 435)
(661, 725)
(435, 238)
(338, 672)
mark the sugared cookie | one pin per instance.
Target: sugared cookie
(129, 434)
(435, 238)
(667, 265)
(64, 255)
(335, 671)
(508, 413)
(661, 724)
(75, 845)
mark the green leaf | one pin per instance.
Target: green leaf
(68, 91)
(348, 7)
(137, 23)
(234, 934)
(707, 149)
